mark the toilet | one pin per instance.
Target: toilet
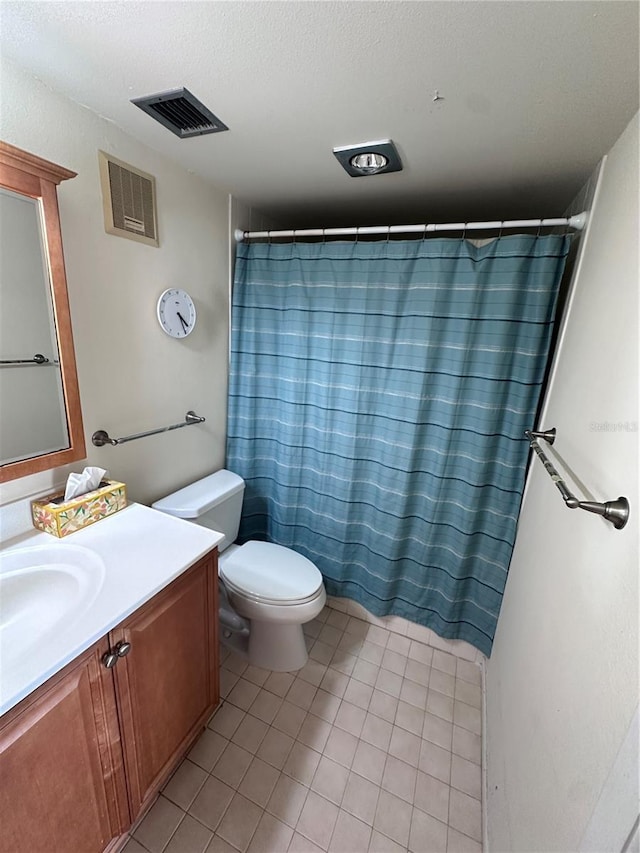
(267, 592)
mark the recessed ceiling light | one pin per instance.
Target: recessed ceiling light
(369, 163)
(369, 158)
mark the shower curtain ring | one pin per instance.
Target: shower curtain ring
(388, 233)
(464, 231)
(500, 229)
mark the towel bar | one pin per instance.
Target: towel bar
(100, 437)
(617, 512)
(38, 358)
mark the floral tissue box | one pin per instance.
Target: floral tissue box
(59, 517)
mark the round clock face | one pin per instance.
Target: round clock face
(176, 313)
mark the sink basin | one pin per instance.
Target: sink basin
(43, 590)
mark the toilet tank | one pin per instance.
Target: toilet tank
(214, 502)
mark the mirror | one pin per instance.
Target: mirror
(40, 417)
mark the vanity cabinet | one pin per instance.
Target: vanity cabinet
(166, 686)
(83, 756)
(62, 785)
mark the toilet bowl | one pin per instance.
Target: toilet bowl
(267, 591)
(277, 590)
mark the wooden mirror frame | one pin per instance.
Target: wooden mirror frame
(32, 176)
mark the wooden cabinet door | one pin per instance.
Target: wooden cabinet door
(167, 685)
(62, 784)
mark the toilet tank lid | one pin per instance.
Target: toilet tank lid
(194, 500)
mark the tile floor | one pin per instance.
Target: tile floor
(373, 746)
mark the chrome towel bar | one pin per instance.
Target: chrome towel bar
(100, 437)
(38, 358)
(617, 512)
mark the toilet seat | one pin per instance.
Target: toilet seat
(271, 574)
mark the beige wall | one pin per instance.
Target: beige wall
(132, 376)
(562, 682)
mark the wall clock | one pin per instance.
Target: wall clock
(176, 312)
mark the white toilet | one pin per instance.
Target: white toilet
(267, 592)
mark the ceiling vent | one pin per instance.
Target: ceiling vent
(181, 113)
(128, 201)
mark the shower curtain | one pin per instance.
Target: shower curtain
(378, 397)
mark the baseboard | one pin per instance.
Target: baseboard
(485, 783)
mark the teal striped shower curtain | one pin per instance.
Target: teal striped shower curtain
(378, 396)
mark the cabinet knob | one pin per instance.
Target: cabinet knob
(109, 659)
(122, 649)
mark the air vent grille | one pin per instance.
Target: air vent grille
(181, 113)
(132, 201)
(128, 197)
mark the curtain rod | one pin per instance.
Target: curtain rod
(577, 222)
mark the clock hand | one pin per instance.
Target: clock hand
(185, 325)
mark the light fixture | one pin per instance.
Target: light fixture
(369, 158)
(368, 163)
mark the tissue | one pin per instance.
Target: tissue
(80, 484)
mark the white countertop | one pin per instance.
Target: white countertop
(143, 551)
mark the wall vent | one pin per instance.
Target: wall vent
(128, 201)
(181, 113)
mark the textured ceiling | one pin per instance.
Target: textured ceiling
(532, 94)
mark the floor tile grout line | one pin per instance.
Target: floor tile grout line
(318, 687)
(354, 653)
(144, 847)
(247, 712)
(308, 787)
(332, 723)
(175, 830)
(200, 787)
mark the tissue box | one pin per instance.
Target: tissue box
(59, 517)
